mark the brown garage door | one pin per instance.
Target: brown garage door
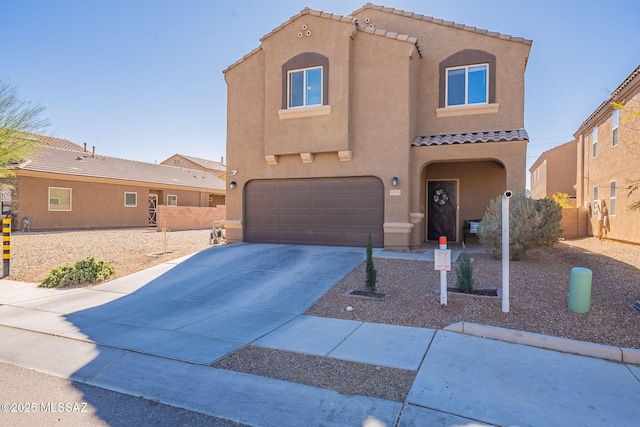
(323, 211)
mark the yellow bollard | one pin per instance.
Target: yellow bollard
(6, 246)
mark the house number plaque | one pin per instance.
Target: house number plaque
(394, 192)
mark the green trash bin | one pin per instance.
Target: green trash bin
(580, 290)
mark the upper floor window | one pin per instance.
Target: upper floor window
(172, 200)
(594, 142)
(615, 117)
(467, 85)
(305, 87)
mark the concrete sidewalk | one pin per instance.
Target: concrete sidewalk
(154, 334)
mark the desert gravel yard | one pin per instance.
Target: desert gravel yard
(34, 254)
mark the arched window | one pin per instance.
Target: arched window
(468, 77)
(305, 80)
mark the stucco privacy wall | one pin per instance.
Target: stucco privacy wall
(178, 218)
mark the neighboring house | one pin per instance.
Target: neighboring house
(190, 162)
(384, 122)
(608, 155)
(75, 189)
(555, 172)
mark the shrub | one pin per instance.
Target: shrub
(532, 223)
(464, 273)
(85, 271)
(371, 273)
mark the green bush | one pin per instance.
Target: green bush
(371, 273)
(85, 271)
(532, 223)
(464, 273)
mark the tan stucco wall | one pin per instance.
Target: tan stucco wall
(382, 95)
(557, 172)
(438, 42)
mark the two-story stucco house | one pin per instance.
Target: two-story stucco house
(384, 122)
(608, 154)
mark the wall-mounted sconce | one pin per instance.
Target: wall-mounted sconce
(394, 181)
(232, 185)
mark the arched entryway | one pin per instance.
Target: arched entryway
(453, 192)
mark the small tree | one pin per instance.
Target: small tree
(532, 223)
(464, 273)
(18, 121)
(371, 273)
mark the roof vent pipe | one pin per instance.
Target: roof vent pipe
(94, 151)
(85, 147)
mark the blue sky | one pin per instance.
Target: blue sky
(142, 79)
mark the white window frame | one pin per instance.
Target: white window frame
(305, 103)
(466, 86)
(51, 198)
(175, 200)
(596, 200)
(613, 197)
(615, 127)
(135, 204)
(594, 142)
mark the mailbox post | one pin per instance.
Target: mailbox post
(442, 262)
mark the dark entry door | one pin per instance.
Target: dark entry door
(442, 203)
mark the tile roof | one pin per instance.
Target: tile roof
(54, 142)
(85, 164)
(208, 164)
(471, 138)
(443, 22)
(613, 98)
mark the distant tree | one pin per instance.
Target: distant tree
(19, 120)
(631, 121)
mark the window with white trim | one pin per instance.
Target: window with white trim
(596, 200)
(613, 195)
(304, 87)
(615, 117)
(59, 199)
(594, 142)
(467, 85)
(130, 199)
(172, 200)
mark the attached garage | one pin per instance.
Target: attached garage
(320, 211)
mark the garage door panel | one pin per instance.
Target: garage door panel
(323, 211)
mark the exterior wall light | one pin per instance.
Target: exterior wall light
(394, 181)
(232, 185)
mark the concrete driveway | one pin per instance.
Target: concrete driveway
(199, 311)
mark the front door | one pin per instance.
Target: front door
(153, 210)
(442, 206)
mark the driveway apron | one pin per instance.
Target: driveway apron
(205, 307)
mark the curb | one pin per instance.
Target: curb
(564, 345)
